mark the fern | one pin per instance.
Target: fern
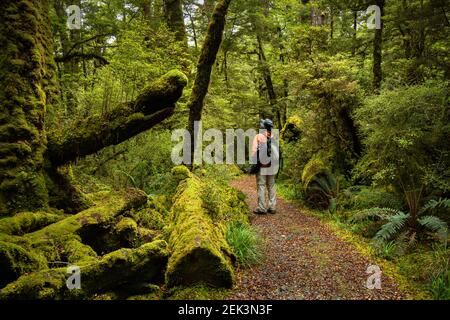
(405, 241)
(395, 223)
(434, 224)
(381, 213)
(433, 204)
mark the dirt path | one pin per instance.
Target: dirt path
(304, 259)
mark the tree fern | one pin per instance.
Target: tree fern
(433, 204)
(434, 224)
(395, 224)
(380, 213)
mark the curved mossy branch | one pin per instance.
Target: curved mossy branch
(87, 136)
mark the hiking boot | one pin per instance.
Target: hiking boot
(272, 211)
(259, 211)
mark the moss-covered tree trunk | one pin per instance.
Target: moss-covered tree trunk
(27, 91)
(205, 63)
(265, 70)
(175, 20)
(30, 157)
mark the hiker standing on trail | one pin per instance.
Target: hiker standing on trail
(265, 151)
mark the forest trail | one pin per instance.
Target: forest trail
(304, 259)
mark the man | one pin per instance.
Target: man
(264, 152)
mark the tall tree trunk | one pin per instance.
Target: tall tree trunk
(268, 81)
(355, 31)
(147, 9)
(27, 89)
(70, 66)
(205, 63)
(377, 50)
(175, 19)
(331, 23)
(31, 157)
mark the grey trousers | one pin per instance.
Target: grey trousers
(263, 181)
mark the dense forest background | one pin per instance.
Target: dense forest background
(364, 116)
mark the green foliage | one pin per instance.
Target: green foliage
(440, 284)
(367, 197)
(378, 213)
(398, 220)
(387, 250)
(319, 184)
(394, 224)
(406, 136)
(246, 244)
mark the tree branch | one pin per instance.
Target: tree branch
(87, 136)
(84, 56)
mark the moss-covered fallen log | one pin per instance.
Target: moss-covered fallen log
(199, 251)
(60, 240)
(26, 222)
(145, 264)
(89, 135)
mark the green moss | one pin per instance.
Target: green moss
(76, 252)
(198, 292)
(163, 92)
(26, 222)
(87, 136)
(27, 91)
(181, 172)
(144, 264)
(292, 129)
(16, 260)
(200, 252)
(98, 215)
(128, 232)
(43, 285)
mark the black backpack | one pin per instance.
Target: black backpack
(268, 144)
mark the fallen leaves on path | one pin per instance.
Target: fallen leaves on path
(304, 259)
